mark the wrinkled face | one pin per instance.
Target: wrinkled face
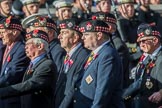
(7, 36)
(90, 40)
(5, 7)
(147, 45)
(64, 13)
(66, 38)
(31, 9)
(104, 6)
(127, 9)
(86, 4)
(31, 48)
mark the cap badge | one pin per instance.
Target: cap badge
(70, 24)
(101, 17)
(147, 31)
(42, 21)
(89, 26)
(35, 33)
(8, 20)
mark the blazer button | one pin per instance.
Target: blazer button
(76, 89)
(36, 93)
(74, 101)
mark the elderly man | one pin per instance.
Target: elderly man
(150, 93)
(38, 83)
(116, 41)
(55, 52)
(15, 60)
(77, 55)
(101, 84)
(30, 7)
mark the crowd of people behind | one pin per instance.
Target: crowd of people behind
(79, 58)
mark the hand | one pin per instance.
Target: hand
(155, 97)
(160, 107)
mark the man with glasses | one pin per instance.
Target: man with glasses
(150, 94)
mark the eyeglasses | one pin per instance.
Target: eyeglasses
(144, 41)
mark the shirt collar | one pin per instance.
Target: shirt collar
(74, 49)
(155, 52)
(38, 58)
(98, 49)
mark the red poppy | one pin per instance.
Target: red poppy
(9, 58)
(151, 65)
(94, 17)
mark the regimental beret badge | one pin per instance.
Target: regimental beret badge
(101, 17)
(42, 21)
(35, 32)
(89, 26)
(8, 21)
(147, 31)
(70, 24)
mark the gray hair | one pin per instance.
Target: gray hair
(38, 41)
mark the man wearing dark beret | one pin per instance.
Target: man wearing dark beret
(37, 86)
(76, 57)
(14, 61)
(116, 41)
(55, 52)
(101, 84)
(150, 93)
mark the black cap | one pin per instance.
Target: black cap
(37, 34)
(39, 21)
(147, 30)
(11, 23)
(69, 24)
(94, 26)
(108, 17)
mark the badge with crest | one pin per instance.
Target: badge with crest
(89, 26)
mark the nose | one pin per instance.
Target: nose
(59, 36)
(83, 37)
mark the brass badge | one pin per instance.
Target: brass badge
(89, 79)
(149, 84)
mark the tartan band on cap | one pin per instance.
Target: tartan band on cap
(11, 23)
(37, 34)
(97, 28)
(94, 26)
(154, 33)
(41, 21)
(69, 24)
(108, 17)
(37, 20)
(148, 30)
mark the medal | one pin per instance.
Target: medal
(149, 84)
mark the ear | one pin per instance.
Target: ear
(56, 13)
(98, 7)
(155, 40)
(24, 9)
(76, 38)
(99, 35)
